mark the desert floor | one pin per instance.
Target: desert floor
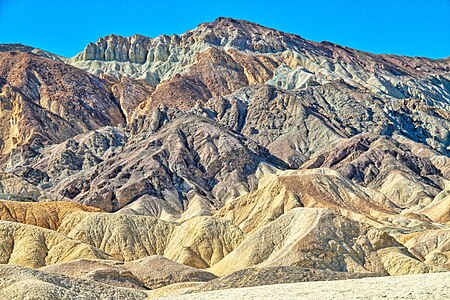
(423, 286)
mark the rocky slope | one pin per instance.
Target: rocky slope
(48, 215)
(274, 275)
(28, 49)
(232, 150)
(45, 101)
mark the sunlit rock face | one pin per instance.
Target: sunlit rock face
(44, 101)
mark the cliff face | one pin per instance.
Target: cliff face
(228, 147)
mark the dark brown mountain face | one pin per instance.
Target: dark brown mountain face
(232, 147)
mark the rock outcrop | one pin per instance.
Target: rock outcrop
(189, 158)
(45, 101)
(384, 165)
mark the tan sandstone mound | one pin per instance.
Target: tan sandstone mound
(432, 246)
(35, 247)
(147, 273)
(319, 238)
(321, 188)
(104, 271)
(198, 242)
(157, 271)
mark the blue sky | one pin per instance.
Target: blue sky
(65, 27)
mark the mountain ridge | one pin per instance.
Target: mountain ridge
(230, 149)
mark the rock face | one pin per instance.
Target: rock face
(289, 97)
(18, 189)
(47, 215)
(189, 158)
(57, 162)
(44, 101)
(130, 93)
(231, 150)
(219, 58)
(385, 165)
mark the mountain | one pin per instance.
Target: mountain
(233, 150)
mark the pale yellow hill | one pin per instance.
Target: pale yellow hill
(319, 238)
(198, 242)
(35, 247)
(319, 188)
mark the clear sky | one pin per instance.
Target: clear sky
(65, 27)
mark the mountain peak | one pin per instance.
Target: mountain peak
(231, 21)
(228, 24)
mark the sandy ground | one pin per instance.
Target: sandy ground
(424, 286)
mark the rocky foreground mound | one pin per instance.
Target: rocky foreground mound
(21, 283)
